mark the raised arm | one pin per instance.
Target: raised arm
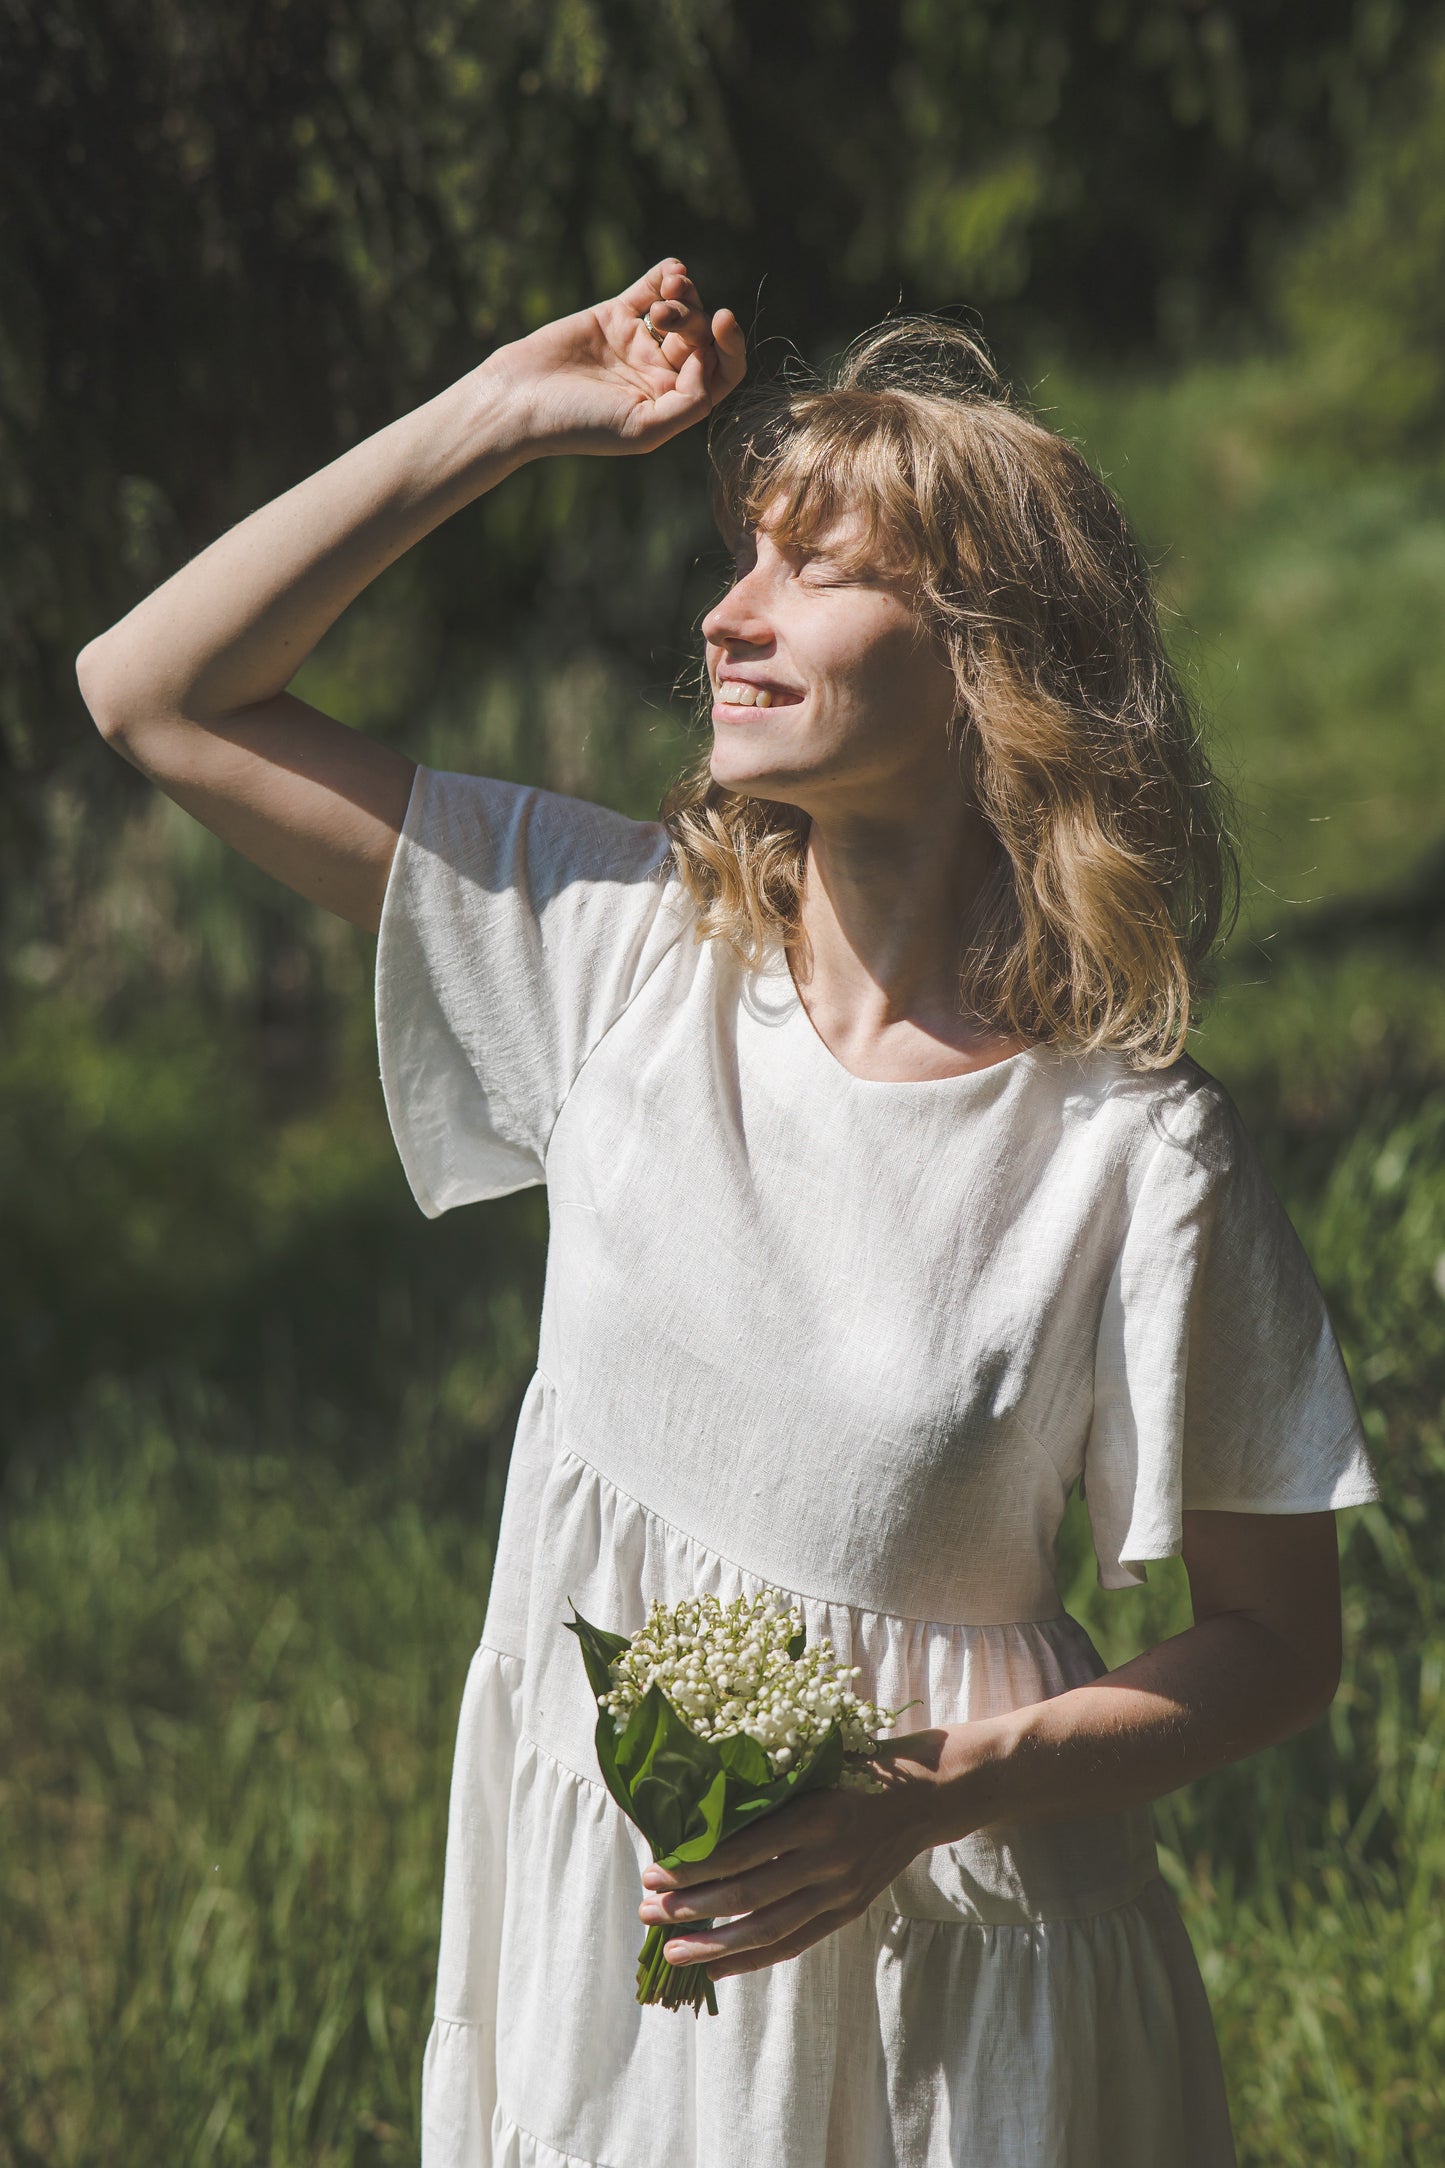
(190, 686)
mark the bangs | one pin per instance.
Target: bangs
(799, 468)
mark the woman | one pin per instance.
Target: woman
(885, 1206)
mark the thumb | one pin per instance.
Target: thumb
(730, 343)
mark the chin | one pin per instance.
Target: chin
(776, 785)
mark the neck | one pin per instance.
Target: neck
(884, 907)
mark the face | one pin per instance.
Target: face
(860, 699)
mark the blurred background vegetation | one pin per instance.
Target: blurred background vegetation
(256, 1410)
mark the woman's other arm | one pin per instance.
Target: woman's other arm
(190, 686)
(1261, 1661)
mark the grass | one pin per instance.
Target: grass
(229, 1685)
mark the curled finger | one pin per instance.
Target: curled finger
(764, 1929)
(724, 1899)
(801, 1938)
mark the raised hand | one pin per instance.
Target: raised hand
(598, 381)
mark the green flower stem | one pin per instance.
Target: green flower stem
(674, 1986)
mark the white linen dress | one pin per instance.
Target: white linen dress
(854, 1341)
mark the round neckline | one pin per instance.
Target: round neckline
(822, 1053)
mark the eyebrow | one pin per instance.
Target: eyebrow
(835, 553)
(832, 554)
(838, 553)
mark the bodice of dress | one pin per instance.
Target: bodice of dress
(799, 1315)
(869, 1333)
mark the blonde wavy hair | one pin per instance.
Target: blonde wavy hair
(1116, 873)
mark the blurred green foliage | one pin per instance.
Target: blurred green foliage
(257, 1409)
(1366, 301)
(237, 238)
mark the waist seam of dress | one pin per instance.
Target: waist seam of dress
(834, 1603)
(1043, 1919)
(889, 1911)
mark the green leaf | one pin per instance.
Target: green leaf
(599, 1648)
(605, 1740)
(668, 1771)
(639, 1735)
(674, 1742)
(823, 1767)
(703, 1841)
(798, 1643)
(744, 1760)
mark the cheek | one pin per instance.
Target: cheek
(915, 681)
(890, 681)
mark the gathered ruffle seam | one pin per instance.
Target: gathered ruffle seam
(527, 1738)
(905, 1919)
(578, 1776)
(570, 2160)
(1107, 1911)
(490, 1648)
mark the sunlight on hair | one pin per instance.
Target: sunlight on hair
(1117, 873)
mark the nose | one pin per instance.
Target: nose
(739, 618)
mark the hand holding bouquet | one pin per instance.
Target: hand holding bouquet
(709, 1717)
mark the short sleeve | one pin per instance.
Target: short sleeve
(516, 927)
(1219, 1382)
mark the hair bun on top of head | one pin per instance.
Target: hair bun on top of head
(928, 354)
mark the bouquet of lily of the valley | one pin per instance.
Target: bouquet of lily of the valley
(709, 1716)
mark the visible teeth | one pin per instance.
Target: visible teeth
(738, 694)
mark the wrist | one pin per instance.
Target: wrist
(507, 416)
(475, 433)
(956, 1778)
